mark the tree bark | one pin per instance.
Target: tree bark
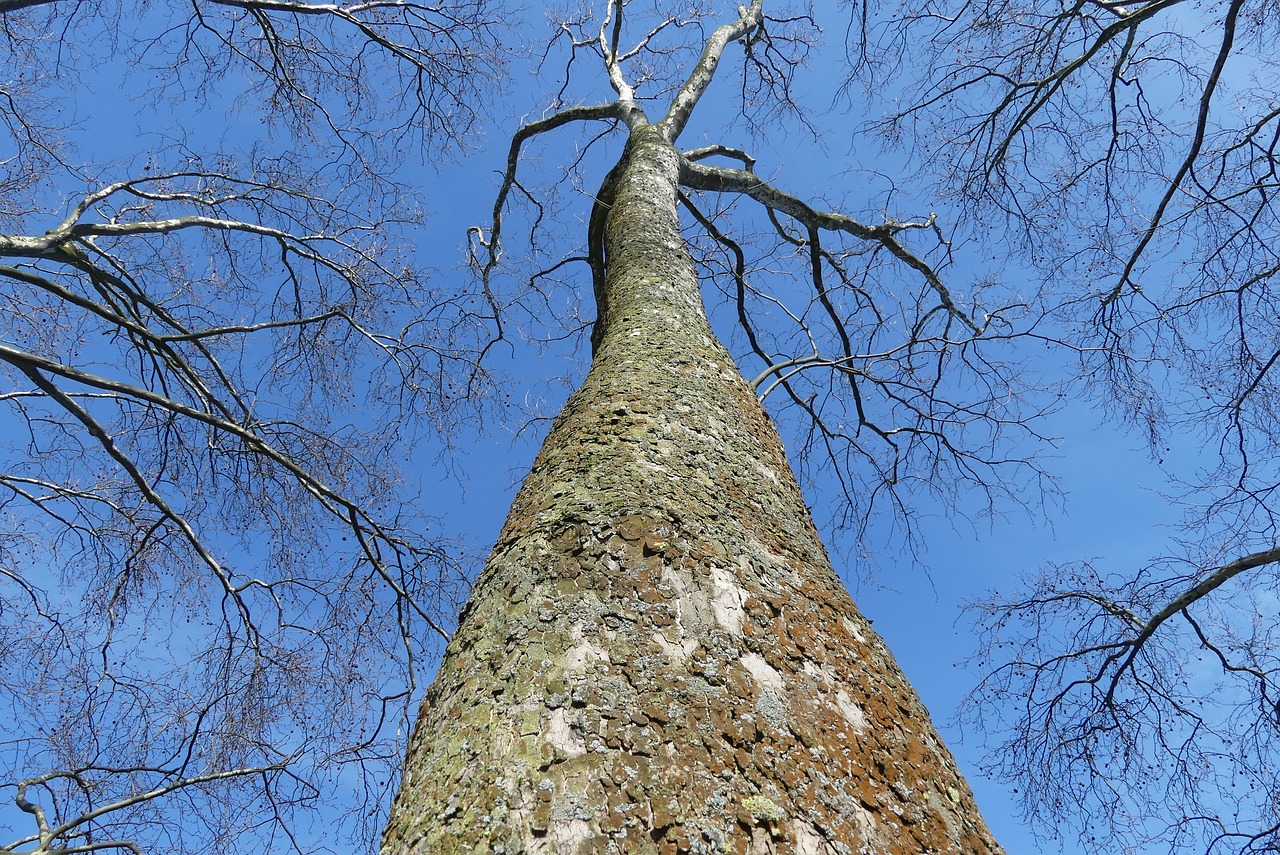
(658, 656)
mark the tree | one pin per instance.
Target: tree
(1131, 149)
(214, 597)
(658, 656)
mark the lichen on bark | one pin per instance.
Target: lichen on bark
(658, 656)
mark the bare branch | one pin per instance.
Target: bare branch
(722, 179)
(673, 123)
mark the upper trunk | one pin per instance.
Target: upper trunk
(658, 657)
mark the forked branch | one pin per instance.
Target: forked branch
(721, 179)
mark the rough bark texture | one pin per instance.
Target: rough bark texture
(658, 657)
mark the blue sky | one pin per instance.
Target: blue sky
(1111, 508)
(1112, 505)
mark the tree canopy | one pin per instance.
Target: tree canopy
(216, 346)
(1128, 153)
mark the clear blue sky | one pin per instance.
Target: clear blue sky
(1113, 509)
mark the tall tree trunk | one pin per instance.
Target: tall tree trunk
(658, 656)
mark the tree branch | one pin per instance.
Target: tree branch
(673, 123)
(724, 180)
